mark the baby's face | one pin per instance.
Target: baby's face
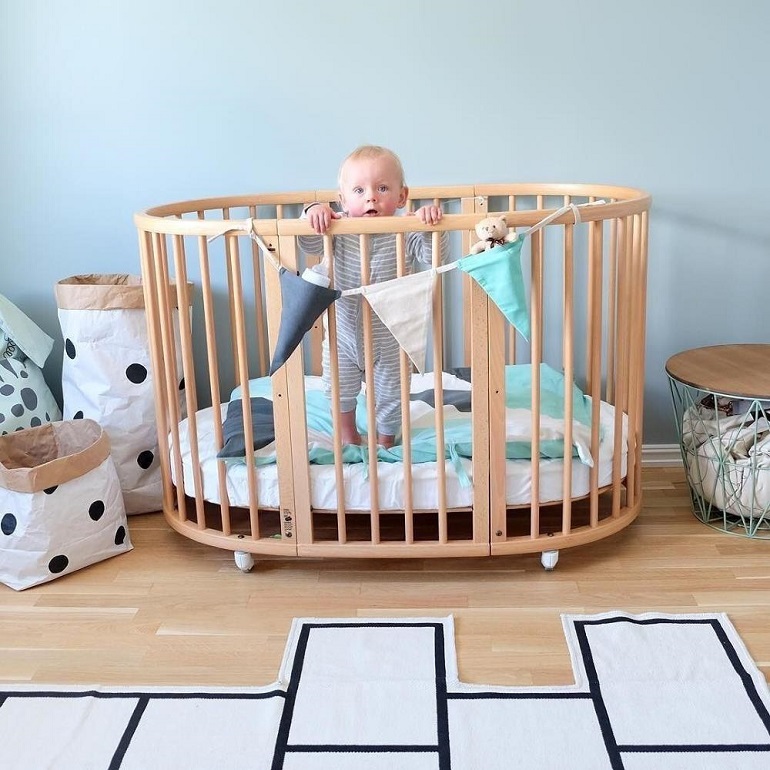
(371, 187)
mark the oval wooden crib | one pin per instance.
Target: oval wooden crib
(462, 482)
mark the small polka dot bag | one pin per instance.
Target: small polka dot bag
(106, 376)
(61, 505)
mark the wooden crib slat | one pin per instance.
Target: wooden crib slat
(212, 359)
(620, 364)
(405, 365)
(188, 372)
(510, 356)
(609, 390)
(238, 313)
(371, 415)
(313, 360)
(162, 281)
(495, 329)
(568, 358)
(228, 267)
(488, 512)
(467, 238)
(536, 356)
(630, 406)
(283, 444)
(334, 380)
(438, 391)
(297, 418)
(156, 344)
(640, 284)
(595, 265)
(256, 261)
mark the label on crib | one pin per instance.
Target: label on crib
(287, 523)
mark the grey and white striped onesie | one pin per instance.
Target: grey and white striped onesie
(350, 333)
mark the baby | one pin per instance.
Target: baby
(371, 184)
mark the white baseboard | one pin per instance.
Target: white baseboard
(661, 455)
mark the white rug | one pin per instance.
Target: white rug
(652, 692)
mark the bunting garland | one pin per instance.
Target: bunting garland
(498, 272)
(404, 304)
(303, 303)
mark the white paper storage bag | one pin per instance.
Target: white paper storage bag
(106, 375)
(61, 506)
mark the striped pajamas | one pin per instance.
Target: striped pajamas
(350, 333)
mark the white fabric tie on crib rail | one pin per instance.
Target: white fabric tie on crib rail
(247, 226)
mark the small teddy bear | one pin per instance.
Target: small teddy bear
(492, 231)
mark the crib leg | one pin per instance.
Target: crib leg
(548, 559)
(243, 560)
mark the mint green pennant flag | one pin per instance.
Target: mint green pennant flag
(498, 272)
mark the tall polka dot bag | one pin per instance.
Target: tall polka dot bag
(106, 376)
(61, 506)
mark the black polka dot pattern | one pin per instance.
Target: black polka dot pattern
(136, 373)
(58, 564)
(96, 510)
(181, 384)
(25, 400)
(8, 524)
(29, 397)
(144, 460)
(64, 556)
(69, 348)
(78, 415)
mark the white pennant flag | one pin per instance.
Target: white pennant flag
(404, 305)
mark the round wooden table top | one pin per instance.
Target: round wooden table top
(731, 370)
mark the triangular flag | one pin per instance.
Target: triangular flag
(498, 272)
(404, 306)
(303, 303)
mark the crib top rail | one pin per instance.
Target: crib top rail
(620, 202)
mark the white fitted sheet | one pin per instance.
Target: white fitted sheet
(390, 476)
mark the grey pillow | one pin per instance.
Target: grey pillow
(460, 399)
(262, 424)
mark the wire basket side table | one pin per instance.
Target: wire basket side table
(721, 399)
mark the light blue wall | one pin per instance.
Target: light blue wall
(110, 107)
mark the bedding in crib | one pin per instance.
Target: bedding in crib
(390, 474)
(456, 394)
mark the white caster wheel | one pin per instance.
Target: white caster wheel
(548, 559)
(244, 561)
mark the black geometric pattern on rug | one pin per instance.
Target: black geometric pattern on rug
(444, 735)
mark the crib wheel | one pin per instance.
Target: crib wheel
(244, 561)
(548, 559)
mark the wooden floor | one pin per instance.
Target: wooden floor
(176, 612)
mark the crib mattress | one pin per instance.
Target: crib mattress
(390, 476)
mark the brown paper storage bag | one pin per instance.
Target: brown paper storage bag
(61, 506)
(106, 375)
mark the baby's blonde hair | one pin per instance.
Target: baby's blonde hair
(369, 151)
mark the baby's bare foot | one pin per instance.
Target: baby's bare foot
(350, 437)
(386, 440)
